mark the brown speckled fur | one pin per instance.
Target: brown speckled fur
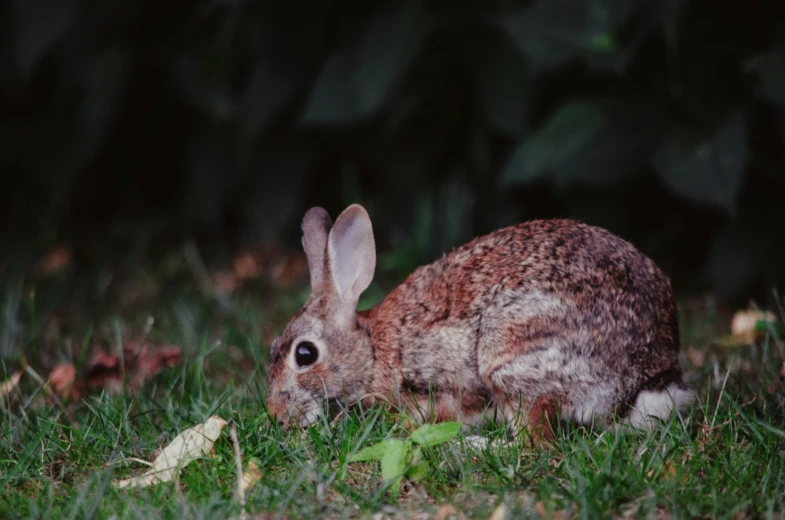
(542, 316)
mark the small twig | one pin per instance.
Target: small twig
(238, 459)
(132, 459)
(336, 418)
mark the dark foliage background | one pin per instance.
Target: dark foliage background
(131, 126)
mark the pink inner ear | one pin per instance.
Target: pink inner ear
(352, 253)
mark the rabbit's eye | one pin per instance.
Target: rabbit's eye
(306, 354)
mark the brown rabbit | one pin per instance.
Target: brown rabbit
(550, 320)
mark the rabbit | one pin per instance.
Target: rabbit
(544, 322)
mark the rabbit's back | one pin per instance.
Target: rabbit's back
(549, 308)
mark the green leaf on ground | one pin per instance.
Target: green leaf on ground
(432, 434)
(375, 452)
(394, 462)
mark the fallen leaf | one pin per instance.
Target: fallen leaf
(151, 359)
(744, 327)
(9, 384)
(666, 472)
(542, 512)
(445, 511)
(251, 476)
(500, 513)
(142, 287)
(224, 282)
(274, 264)
(288, 272)
(62, 379)
(186, 447)
(55, 261)
(246, 266)
(662, 513)
(696, 357)
(141, 365)
(103, 371)
(278, 265)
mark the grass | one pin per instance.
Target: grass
(59, 460)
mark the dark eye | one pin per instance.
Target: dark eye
(306, 354)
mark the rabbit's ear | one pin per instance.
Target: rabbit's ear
(316, 225)
(351, 254)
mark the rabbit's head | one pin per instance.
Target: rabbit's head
(325, 351)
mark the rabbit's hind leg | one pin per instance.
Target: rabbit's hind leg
(536, 418)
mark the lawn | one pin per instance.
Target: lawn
(60, 453)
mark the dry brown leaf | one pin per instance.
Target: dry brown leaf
(224, 281)
(9, 384)
(141, 365)
(661, 513)
(246, 266)
(152, 359)
(55, 261)
(62, 379)
(539, 507)
(278, 265)
(140, 287)
(251, 476)
(696, 357)
(667, 472)
(186, 447)
(744, 325)
(295, 267)
(500, 513)
(445, 511)
(272, 263)
(105, 371)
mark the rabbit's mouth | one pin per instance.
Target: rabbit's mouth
(310, 415)
(282, 408)
(300, 418)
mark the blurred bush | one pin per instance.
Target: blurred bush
(131, 125)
